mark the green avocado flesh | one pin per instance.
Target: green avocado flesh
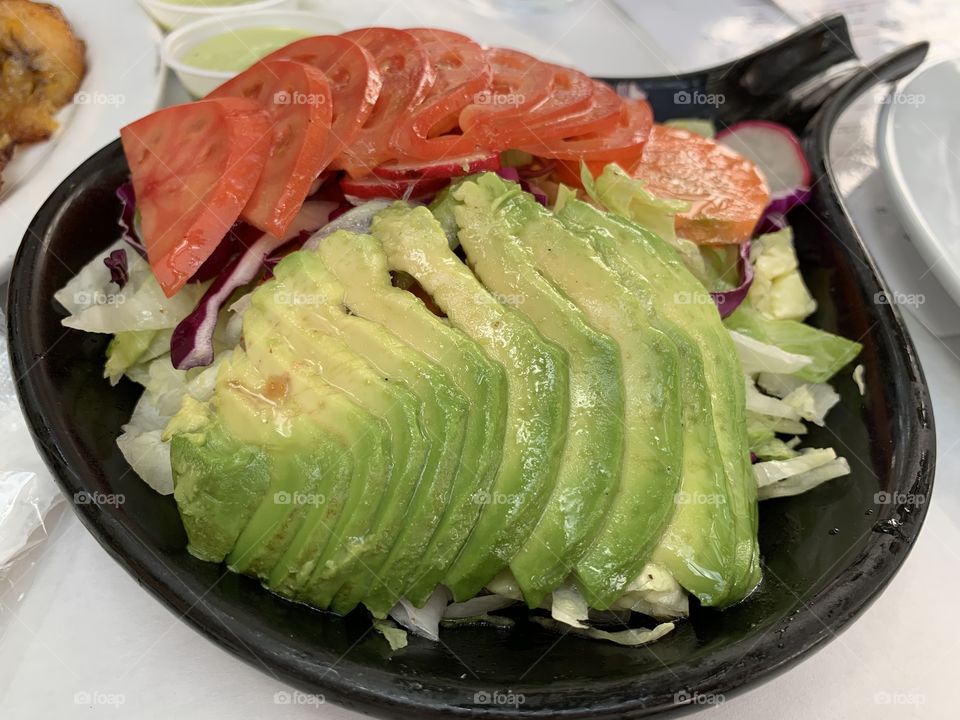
(562, 403)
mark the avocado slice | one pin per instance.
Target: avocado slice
(219, 481)
(273, 319)
(682, 299)
(314, 436)
(359, 263)
(405, 530)
(653, 443)
(537, 396)
(590, 463)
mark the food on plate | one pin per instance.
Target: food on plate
(237, 49)
(464, 357)
(41, 66)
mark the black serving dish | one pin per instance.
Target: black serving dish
(826, 554)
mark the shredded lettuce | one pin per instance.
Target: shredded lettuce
(569, 606)
(858, 379)
(97, 305)
(778, 290)
(396, 637)
(812, 467)
(423, 621)
(477, 606)
(757, 356)
(631, 636)
(125, 350)
(828, 353)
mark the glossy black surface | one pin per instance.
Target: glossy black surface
(814, 583)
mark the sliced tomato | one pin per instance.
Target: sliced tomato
(297, 99)
(518, 84)
(193, 167)
(463, 74)
(727, 192)
(407, 76)
(623, 143)
(571, 95)
(439, 169)
(373, 187)
(355, 84)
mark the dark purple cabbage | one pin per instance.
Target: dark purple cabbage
(729, 300)
(116, 263)
(128, 218)
(238, 238)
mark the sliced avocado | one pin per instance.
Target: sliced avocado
(537, 392)
(314, 437)
(590, 463)
(699, 545)
(682, 299)
(405, 530)
(653, 442)
(359, 263)
(219, 481)
(274, 319)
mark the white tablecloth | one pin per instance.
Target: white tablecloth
(80, 639)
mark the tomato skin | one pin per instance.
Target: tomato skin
(463, 73)
(355, 85)
(727, 192)
(193, 167)
(624, 142)
(297, 99)
(407, 73)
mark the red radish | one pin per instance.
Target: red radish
(776, 151)
(446, 168)
(373, 187)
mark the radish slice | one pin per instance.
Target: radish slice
(446, 168)
(776, 151)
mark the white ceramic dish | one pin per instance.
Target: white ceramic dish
(199, 82)
(170, 15)
(124, 81)
(918, 141)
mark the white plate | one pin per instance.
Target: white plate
(919, 152)
(124, 81)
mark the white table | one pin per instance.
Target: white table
(80, 639)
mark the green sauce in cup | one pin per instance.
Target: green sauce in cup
(237, 50)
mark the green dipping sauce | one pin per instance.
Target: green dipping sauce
(208, 3)
(239, 49)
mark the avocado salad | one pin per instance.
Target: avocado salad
(554, 375)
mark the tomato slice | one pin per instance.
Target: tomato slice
(519, 83)
(374, 187)
(463, 73)
(439, 169)
(297, 99)
(193, 167)
(727, 192)
(624, 143)
(407, 76)
(355, 85)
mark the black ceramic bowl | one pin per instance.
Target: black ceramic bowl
(826, 554)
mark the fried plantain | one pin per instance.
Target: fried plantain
(41, 65)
